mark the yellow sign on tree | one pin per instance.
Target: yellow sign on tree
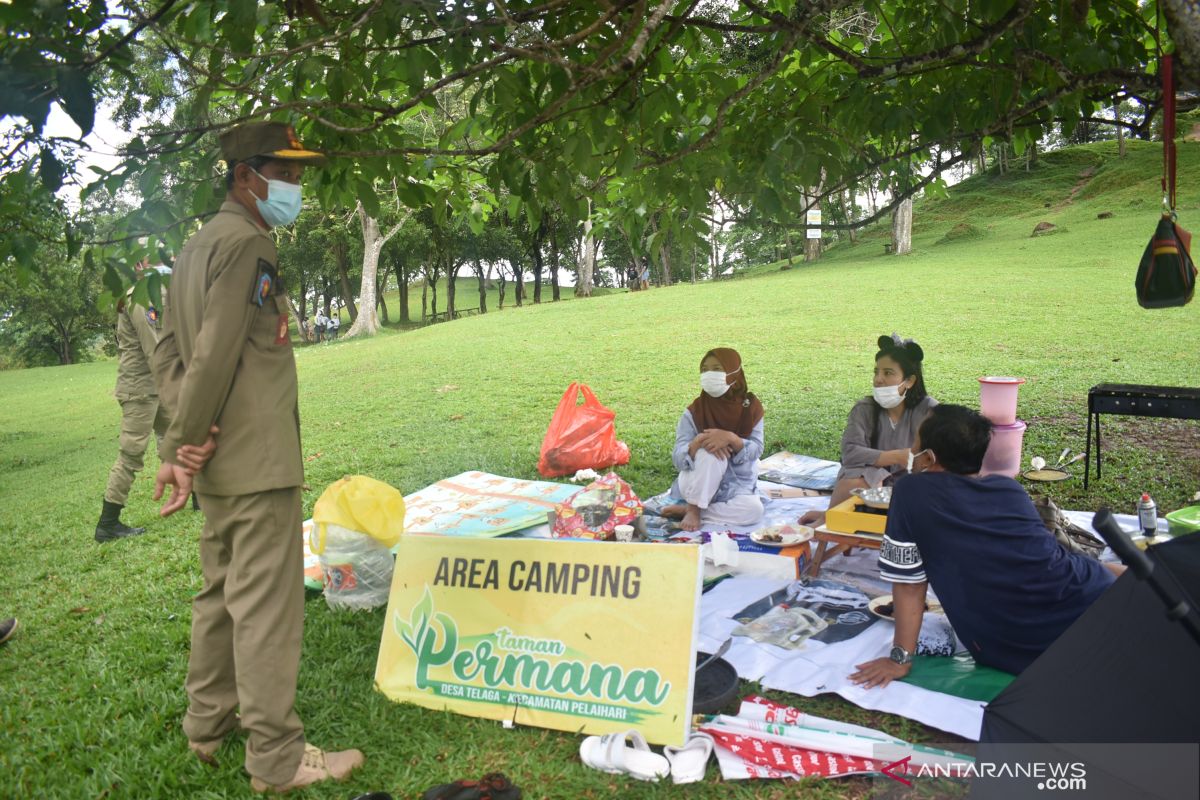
(577, 636)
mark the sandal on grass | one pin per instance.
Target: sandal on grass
(624, 754)
(689, 762)
(493, 786)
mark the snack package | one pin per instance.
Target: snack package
(594, 511)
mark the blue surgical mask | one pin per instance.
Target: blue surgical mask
(282, 205)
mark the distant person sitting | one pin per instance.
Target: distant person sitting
(335, 323)
(1007, 586)
(717, 444)
(631, 278)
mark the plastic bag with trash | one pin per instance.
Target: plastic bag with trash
(356, 522)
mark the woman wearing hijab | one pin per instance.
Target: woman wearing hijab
(877, 442)
(717, 444)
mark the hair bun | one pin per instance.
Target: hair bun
(906, 346)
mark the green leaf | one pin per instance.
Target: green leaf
(154, 288)
(75, 92)
(367, 195)
(73, 242)
(50, 170)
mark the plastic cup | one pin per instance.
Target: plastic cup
(998, 398)
(624, 533)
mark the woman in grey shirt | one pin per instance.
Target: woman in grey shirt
(876, 445)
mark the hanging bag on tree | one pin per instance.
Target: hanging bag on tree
(1166, 275)
(580, 436)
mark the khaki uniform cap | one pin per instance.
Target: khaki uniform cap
(270, 139)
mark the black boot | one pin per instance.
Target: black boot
(110, 526)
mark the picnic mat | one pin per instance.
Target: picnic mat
(482, 505)
(802, 472)
(818, 666)
(769, 740)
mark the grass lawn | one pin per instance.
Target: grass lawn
(92, 687)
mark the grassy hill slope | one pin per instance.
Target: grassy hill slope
(97, 673)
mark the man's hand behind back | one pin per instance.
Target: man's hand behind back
(180, 481)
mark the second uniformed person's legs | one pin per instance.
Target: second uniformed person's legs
(137, 420)
(250, 614)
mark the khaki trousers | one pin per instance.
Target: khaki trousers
(247, 627)
(139, 416)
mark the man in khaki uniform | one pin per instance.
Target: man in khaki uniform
(137, 335)
(225, 358)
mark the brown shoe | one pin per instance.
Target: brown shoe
(316, 765)
(206, 751)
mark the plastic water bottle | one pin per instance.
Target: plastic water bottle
(1147, 516)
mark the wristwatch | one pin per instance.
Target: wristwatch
(900, 655)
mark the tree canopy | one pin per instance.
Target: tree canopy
(634, 107)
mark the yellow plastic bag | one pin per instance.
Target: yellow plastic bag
(362, 504)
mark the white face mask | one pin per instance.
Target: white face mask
(714, 383)
(888, 396)
(914, 456)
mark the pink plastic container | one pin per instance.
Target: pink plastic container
(998, 399)
(1003, 455)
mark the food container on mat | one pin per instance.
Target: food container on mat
(1003, 455)
(1185, 520)
(998, 398)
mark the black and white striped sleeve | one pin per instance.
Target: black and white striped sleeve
(900, 562)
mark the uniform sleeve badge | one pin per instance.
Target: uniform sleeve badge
(264, 283)
(152, 316)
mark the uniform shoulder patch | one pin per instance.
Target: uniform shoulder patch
(152, 316)
(264, 283)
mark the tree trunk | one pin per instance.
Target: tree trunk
(424, 298)
(518, 283)
(902, 228)
(380, 287)
(366, 323)
(693, 263)
(812, 247)
(451, 286)
(298, 315)
(64, 345)
(536, 251)
(587, 262)
(477, 268)
(343, 264)
(555, 294)
(1120, 129)
(849, 212)
(402, 288)
(500, 283)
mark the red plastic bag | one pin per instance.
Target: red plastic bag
(580, 436)
(595, 511)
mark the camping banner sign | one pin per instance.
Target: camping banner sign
(578, 636)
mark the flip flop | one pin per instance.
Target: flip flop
(689, 762)
(611, 753)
